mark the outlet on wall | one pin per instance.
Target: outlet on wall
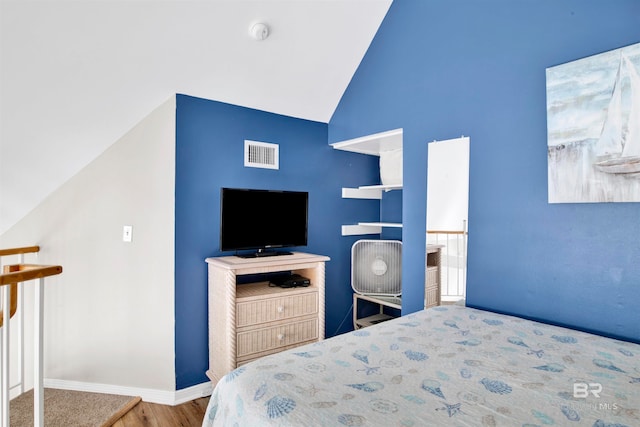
(127, 232)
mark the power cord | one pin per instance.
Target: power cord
(344, 319)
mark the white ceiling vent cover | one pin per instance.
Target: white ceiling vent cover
(261, 155)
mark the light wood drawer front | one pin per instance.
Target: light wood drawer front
(272, 309)
(254, 356)
(259, 340)
(432, 287)
(432, 276)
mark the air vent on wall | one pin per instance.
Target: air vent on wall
(261, 155)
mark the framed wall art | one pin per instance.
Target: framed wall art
(593, 128)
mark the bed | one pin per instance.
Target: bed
(447, 365)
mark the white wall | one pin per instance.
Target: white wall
(109, 317)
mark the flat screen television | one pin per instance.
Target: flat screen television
(262, 220)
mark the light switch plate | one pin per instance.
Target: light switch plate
(127, 232)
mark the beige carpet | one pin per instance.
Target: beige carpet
(66, 408)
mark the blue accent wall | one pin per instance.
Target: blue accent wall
(209, 155)
(440, 69)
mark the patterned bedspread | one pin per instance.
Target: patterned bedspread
(448, 365)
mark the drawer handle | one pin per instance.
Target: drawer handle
(280, 309)
(280, 337)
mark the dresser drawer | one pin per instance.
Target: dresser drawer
(432, 287)
(266, 339)
(278, 308)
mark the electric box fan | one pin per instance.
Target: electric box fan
(376, 267)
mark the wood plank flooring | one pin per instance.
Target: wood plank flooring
(146, 414)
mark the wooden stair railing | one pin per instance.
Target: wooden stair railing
(13, 304)
(14, 286)
(452, 272)
(12, 276)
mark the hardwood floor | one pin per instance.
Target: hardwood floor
(146, 414)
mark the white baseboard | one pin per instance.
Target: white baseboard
(164, 397)
(452, 298)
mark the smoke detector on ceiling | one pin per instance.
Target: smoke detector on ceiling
(259, 31)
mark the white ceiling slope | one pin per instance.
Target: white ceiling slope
(77, 75)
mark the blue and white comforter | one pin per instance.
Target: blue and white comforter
(443, 366)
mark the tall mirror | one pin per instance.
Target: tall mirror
(447, 211)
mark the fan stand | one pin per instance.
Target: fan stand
(376, 278)
(382, 301)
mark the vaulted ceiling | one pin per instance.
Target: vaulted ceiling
(77, 75)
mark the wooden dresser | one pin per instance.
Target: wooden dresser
(433, 276)
(248, 321)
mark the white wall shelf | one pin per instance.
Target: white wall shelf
(357, 229)
(381, 187)
(381, 224)
(368, 191)
(367, 228)
(372, 145)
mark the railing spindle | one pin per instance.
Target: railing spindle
(11, 284)
(460, 266)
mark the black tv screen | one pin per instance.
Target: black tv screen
(262, 219)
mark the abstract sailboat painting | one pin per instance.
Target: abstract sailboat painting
(593, 128)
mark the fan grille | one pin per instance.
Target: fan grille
(377, 267)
